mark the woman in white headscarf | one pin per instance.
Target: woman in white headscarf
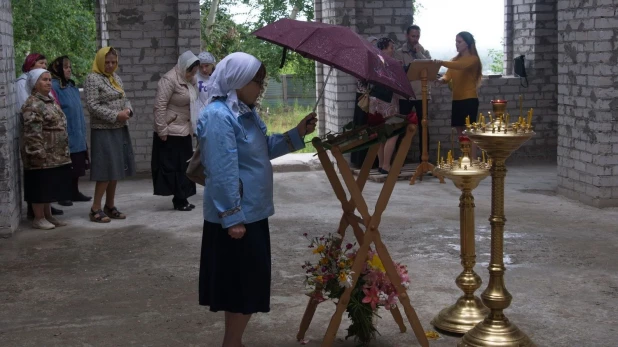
(238, 195)
(175, 117)
(44, 150)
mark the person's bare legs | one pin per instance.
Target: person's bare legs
(381, 156)
(235, 324)
(110, 194)
(99, 189)
(473, 155)
(389, 148)
(40, 211)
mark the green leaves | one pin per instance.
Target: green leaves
(55, 28)
(228, 37)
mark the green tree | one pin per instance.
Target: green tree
(55, 28)
(497, 59)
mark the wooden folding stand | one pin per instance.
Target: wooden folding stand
(424, 70)
(371, 234)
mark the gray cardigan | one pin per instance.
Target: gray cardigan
(103, 102)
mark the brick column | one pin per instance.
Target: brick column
(10, 168)
(588, 102)
(149, 35)
(368, 18)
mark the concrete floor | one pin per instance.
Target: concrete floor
(134, 282)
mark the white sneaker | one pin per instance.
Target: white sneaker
(56, 222)
(43, 224)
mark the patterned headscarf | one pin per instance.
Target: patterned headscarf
(31, 59)
(57, 71)
(233, 72)
(206, 58)
(98, 66)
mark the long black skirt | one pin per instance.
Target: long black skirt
(235, 273)
(462, 109)
(169, 166)
(43, 186)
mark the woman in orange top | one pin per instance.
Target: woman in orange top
(465, 70)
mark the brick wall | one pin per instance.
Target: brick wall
(149, 35)
(588, 101)
(530, 29)
(10, 169)
(368, 18)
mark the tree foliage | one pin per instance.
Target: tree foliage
(55, 28)
(228, 37)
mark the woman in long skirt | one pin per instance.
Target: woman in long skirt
(238, 195)
(174, 123)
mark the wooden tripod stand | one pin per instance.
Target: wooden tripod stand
(424, 70)
(365, 239)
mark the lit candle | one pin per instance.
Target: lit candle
(467, 120)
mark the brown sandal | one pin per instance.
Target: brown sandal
(99, 216)
(113, 213)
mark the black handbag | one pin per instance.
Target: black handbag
(520, 70)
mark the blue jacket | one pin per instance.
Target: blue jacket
(71, 104)
(236, 154)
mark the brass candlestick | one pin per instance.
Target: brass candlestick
(468, 310)
(496, 330)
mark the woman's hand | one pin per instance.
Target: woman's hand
(307, 125)
(163, 137)
(123, 116)
(237, 231)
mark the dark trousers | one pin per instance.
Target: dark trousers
(405, 107)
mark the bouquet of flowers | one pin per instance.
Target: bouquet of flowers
(332, 274)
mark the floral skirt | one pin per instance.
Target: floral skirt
(235, 273)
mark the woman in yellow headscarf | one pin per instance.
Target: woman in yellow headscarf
(110, 142)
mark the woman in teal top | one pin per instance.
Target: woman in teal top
(67, 95)
(238, 193)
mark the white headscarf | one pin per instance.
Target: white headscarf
(33, 78)
(184, 62)
(233, 72)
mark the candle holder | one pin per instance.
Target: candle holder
(496, 330)
(468, 310)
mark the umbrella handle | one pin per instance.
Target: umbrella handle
(285, 51)
(323, 89)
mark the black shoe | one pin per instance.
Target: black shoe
(79, 197)
(65, 203)
(382, 171)
(182, 207)
(191, 206)
(56, 212)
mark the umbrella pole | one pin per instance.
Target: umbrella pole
(323, 89)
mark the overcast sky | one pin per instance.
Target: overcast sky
(441, 20)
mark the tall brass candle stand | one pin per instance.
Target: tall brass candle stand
(499, 139)
(468, 310)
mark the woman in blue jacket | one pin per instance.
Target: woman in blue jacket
(67, 95)
(238, 195)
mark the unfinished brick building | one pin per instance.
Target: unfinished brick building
(571, 49)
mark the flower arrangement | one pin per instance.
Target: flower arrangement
(332, 274)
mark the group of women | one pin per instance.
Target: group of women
(54, 146)
(235, 147)
(464, 74)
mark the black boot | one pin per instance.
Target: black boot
(65, 203)
(56, 212)
(81, 197)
